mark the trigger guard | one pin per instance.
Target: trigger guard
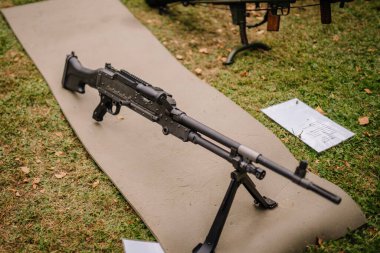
(117, 110)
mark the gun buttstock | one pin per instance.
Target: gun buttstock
(75, 76)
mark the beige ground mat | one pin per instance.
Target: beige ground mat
(175, 187)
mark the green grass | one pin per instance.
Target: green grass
(326, 66)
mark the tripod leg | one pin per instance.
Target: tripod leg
(245, 46)
(216, 229)
(262, 201)
(252, 46)
(239, 13)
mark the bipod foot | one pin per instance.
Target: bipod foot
(269, 203)
(203, 248)
(251, 46)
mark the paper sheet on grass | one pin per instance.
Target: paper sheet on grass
(134, 246)
(316, 130)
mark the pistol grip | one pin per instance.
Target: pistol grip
(273, 24)
(103, 107)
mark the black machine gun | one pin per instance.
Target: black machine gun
(119, 88)
(274, 10)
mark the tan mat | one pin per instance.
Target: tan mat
(175, 187)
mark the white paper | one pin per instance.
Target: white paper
(134, 246)
(316, 130)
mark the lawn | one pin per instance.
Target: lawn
(53, 197)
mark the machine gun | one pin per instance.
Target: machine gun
(274, 10)
(119, 88)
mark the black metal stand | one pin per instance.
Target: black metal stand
(239, 14)
(237, 178)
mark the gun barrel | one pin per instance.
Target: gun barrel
(324, 193)
(298, 180)
(247, 153)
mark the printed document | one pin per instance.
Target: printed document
(313, 128)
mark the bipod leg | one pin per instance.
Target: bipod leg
(237, 178)
(260, 200)
(217, 226)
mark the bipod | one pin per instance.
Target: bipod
(237, 178)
